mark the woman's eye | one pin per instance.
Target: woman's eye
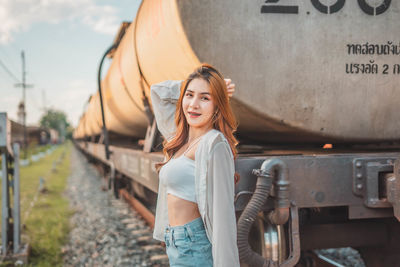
(188, 94)
(204, 98)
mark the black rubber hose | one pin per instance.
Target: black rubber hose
(105, 132)
(249, 215)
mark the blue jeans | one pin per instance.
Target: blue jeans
(188, 245)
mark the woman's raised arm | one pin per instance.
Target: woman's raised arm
(164, 96)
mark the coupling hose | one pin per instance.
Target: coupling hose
(263, 188)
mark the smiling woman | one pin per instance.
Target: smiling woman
(198, 105)
(204, 92)
(195, 208)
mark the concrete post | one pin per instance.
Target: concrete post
(16, 209)
(4, 203)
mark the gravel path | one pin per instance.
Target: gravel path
(105, 231)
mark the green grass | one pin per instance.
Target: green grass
(47, 225)
(32, 149)
(37, 148)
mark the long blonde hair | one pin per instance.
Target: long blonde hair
(223, 119)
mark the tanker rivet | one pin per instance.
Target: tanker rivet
(359, 186)
(359, 175)
(358, 164)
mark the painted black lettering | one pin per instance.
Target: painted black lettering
(396, 69)
(374, 11)
(272, 8)
(385, 69)
(328, 9)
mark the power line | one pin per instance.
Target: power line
(8, 71)
(6, 78)
(9, 60)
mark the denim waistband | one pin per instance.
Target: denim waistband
(186, 230)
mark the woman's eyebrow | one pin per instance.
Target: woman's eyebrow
(203, 93)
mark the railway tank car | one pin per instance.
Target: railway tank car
(307, 73)
(307, 76)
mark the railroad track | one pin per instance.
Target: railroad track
(106, 231)
(323, 261)
(318, 259)
(140, 231)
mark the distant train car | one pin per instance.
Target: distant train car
(39, 135)
(35, 134)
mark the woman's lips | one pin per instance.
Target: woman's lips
(194, 114)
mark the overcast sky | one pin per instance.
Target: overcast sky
(63, 41)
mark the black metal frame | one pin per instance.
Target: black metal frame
(320, 180)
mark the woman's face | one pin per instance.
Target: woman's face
(198, 105)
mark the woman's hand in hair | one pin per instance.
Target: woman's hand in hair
(230, 86)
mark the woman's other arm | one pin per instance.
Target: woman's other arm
(221, 169)
(164, 96)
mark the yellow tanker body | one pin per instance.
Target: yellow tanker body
(92, 112)
(304, 72)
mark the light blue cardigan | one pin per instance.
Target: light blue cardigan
(214, 180)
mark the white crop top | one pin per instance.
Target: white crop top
(178, 177)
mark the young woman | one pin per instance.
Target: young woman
(195, 213)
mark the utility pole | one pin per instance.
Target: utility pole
(24, 87)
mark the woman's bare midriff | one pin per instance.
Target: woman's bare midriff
(181, 211)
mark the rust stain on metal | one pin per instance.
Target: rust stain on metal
(139, 207)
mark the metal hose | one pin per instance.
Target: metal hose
(249, 215)
(280, 215)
